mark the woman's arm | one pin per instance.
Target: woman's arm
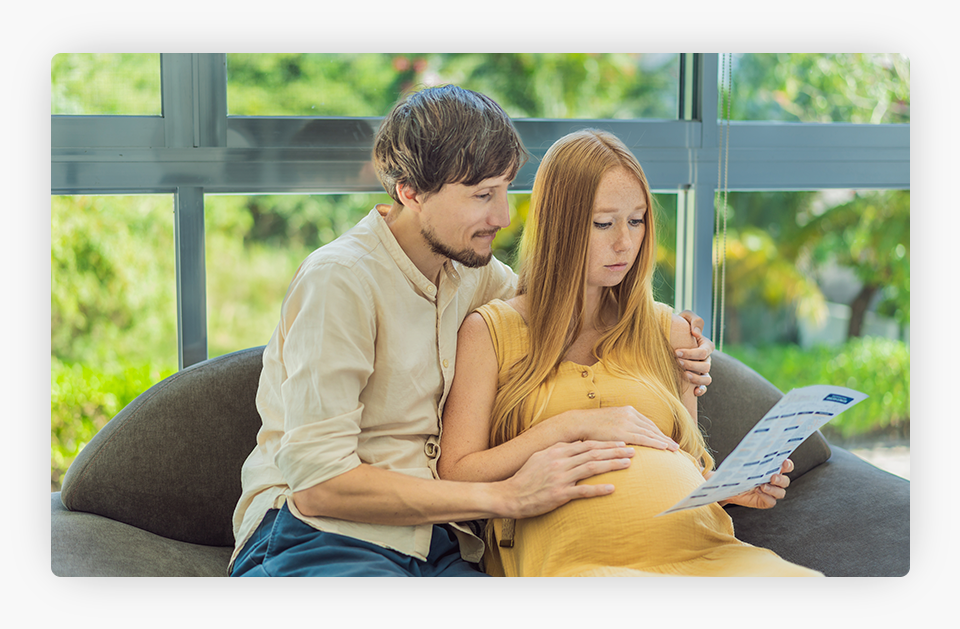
(467, 416)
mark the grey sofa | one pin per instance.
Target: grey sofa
(153, 494)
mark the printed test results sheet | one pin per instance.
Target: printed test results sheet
(764, 449)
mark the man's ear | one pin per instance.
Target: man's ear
(409, 197)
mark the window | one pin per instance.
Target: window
(818, 290)
(247, 144)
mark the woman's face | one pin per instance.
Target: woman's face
(619, 222)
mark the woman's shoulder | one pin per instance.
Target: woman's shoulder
(664, 315)
(506, 326)
(510, 311)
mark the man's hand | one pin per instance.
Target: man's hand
(696, 362)
(765, 496)
(549, 478)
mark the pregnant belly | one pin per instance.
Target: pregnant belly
(655, 481)
(620, 529)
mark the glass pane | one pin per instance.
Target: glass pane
(802, 87)
(113, 323)
(106, 83)
(526, 85)
(254, 245)
(818, 292)
(665, 276)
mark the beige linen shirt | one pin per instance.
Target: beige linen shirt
(358, 371)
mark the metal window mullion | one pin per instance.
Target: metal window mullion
(211, 86)
(694, 269)
(191, 276)
(180, 86)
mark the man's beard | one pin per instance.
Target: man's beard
(467, 257)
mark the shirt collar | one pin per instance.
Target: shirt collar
(406, 265)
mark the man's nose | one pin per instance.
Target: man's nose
(501, 212)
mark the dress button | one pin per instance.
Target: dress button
(583, 374)
(591, 395)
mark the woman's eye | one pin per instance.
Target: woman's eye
(637, 222)
(602, 225)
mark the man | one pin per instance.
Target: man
(343, 478)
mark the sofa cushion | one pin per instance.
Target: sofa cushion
(89, 545)
(169, 462)
(845, 518)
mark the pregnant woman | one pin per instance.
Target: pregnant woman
(584, 352)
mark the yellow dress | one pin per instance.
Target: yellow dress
(618, 534)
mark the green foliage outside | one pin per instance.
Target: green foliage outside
(106, 84)
(802, 87)
(113, 323)
(526, 85)
(879, 367)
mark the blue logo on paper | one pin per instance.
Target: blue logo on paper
(833, 397)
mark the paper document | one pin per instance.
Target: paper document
(761, 453)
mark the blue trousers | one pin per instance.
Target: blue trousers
(283, 546)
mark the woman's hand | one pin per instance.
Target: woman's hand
(696, 361)
(617, 423)
(765, 496)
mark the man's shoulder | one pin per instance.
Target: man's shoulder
(494, 280)
(357, 252)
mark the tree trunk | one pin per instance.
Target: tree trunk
(858, 309)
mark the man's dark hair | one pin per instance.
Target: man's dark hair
(442, 135)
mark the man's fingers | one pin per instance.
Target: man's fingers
(699, 379)
(698, 354)
(696, 322)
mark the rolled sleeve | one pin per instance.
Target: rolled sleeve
(328, 329)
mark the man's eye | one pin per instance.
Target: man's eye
(484, 196)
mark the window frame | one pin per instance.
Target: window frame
(195, 148)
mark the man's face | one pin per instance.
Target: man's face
(459, 222)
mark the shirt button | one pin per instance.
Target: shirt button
(583, 374)
(431, 449)
(591, 395)
(446, 363)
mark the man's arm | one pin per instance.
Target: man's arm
(547, 481)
